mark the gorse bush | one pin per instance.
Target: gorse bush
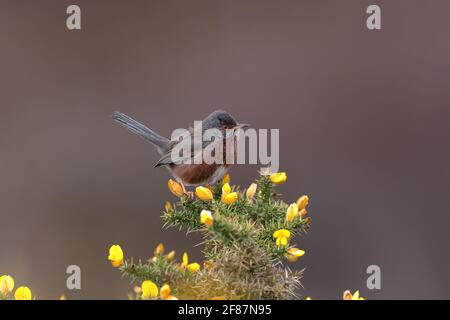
(247, 239)
(247, 243)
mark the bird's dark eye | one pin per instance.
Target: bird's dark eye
(225, 126)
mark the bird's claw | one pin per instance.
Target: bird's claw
(190, 194)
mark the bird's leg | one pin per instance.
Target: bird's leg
(188, 193)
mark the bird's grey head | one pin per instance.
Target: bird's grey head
(219, 119)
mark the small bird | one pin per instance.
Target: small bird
(194, 173)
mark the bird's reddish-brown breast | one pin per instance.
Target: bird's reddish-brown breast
(194, 173)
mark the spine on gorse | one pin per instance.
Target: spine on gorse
(247, 240)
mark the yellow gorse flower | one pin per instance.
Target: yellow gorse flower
(226, 189)
(349, 296)
(230, 198)
(171, 255)
(6, 285)
(168, 206)
(291, 212)
(204, 193)
(192, 267)
(149, 290)
(278, 178)
(165, 291)
(226, 179)
(175, 188)
(116, 256)
(251, 191)
(294, 254)
(206, 218)
(302, 202)
(23, 293)
(159, 249)
(282, 236)
(282, 233)
(137, 290)
(185, 260)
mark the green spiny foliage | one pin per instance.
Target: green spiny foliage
(243, 260)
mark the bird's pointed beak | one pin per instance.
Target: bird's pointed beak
(241, 126)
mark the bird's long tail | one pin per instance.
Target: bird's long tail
(138, 128)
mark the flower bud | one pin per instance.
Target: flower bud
(175, 188)
(291, 212)
(171, 255)
(159, 249)
(302, 202)
(251, 191)
(278, 178)
(206, 218)
(204, 193)
(230, 198)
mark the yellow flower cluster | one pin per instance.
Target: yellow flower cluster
(7, 286)
(192, 267)
(185, 265)
(302, 203)
(205, 193)
(116, 254)
(293, 215)
(349, 296)
(149, 290)
(116, 257)
(228, 197)
(159, 251)
(296, 210)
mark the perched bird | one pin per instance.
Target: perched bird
(196, 172)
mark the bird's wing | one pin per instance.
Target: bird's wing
(170, 157)
(187, 156)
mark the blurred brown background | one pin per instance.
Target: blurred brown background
(363, 118)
